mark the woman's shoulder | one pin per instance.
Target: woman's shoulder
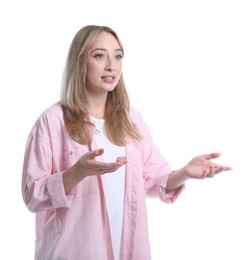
(136, 116)
(54, 109)
(134, 112)
(52, 112)
(52, 115)
(139, 121)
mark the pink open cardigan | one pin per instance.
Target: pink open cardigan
(75, 226)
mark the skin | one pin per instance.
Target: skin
(200, 167)
(104, 68)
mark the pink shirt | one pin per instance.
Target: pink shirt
(74, 226)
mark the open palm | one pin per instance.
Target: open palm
(201, 167)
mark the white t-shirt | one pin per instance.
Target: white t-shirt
(114, 185)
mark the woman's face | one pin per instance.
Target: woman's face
(104, 64)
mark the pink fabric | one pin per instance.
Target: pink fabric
(75, 226)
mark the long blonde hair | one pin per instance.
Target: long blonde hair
(118, 124)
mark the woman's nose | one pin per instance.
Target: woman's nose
(109, 65)
(109, 68)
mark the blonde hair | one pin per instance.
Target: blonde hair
(118, 123)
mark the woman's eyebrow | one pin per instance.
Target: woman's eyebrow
(103, 49)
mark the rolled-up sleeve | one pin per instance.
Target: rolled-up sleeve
(42, 189)
(156, 187)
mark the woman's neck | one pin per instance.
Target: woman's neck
(96, 107)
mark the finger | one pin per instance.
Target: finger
(224, 168)
(212, 171)
(119, 163)
(109, 167)
(215, 169)
(121, 160)
(210, 156)
(227, 168)
(95, 153)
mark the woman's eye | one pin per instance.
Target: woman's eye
(99, 56)
(119, 57)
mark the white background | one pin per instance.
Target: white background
(187, 69)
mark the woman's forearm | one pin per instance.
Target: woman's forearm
(72, 177)
(176, 179)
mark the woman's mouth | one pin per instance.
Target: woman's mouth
(109, 79)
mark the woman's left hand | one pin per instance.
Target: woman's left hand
(201, 167)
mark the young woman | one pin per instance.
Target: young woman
(90, 161)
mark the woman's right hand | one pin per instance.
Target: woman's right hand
(87, 165)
